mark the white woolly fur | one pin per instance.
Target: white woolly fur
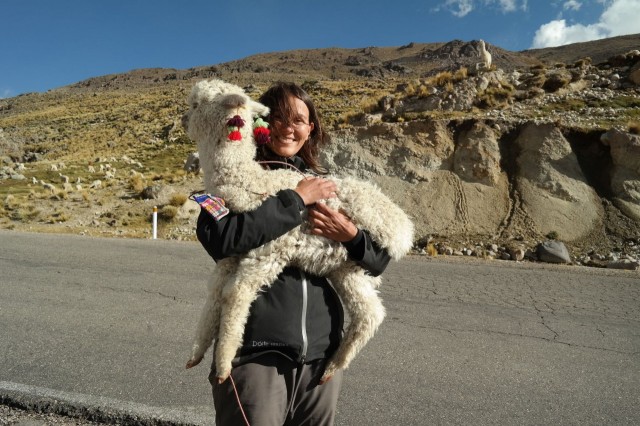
(231, 173)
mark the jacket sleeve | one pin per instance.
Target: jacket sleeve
(367, 253)
(238, 233)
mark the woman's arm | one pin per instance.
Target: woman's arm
(334, 225)
(367, 253)
(238, 233)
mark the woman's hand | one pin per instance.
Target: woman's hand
(313, 189)
(331, 223)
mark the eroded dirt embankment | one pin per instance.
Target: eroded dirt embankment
(501, 180)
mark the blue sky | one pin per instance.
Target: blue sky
(46, 44)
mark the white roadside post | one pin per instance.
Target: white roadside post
(155, 222)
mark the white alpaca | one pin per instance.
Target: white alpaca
(485, 55)
(51, 188)
(230, 172)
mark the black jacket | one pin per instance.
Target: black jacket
(299, 315)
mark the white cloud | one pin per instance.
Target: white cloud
(572, 4)
(508, 5)
(461, 8)
(619, 18)
(622, 17)
(558, 33)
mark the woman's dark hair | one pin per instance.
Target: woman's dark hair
(277, 99)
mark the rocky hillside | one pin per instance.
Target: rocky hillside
(542, 144)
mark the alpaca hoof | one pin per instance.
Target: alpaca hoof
(193, 362)
(329, 371)
(223, 377)
(325, 378)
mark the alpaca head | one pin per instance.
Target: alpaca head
(220, 119)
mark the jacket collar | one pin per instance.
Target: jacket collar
(267, 155)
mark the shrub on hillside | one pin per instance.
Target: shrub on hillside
(441, 79)
(556, 81)
(178, 200)
(168, 212)
(137, 183)
(495, 96)
(460, 74)
(582, 63)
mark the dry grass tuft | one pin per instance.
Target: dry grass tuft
(494, 97)
(431, 250)
(449, 87)
(461, 74)
(25, 213)
(441, 78)
(582, 63)
(58, 216)
(10, 202)
(137, 183)
(178, 200)
(168, 212)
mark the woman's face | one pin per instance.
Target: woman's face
(288, 138)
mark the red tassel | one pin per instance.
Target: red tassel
(261, 135)
(235, 136)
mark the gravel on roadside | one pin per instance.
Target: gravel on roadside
(18, 417)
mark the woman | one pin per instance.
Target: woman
(295, 324)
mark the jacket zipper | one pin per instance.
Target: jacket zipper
(305, 342)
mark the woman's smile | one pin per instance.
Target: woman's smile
(288, 138)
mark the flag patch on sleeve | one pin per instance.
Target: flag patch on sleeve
(212, 205)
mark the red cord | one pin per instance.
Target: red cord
(238, 399)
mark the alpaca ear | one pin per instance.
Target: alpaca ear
(259, 109)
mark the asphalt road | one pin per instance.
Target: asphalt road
(107, 324)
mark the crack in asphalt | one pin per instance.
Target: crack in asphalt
(504, 333)
(153, 292)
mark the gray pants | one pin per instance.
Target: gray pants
(275, 391)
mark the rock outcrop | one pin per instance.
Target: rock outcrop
(553, 190)
(478, 178)
(625, 179)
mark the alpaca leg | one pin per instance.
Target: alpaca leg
(208, 323)
(237, 296)
(358, 294)
(204, 331)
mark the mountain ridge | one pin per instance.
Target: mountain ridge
(368, 57)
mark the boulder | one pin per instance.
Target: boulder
(553, 252)
(151, 192)
(555, 195)
(516, 251)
